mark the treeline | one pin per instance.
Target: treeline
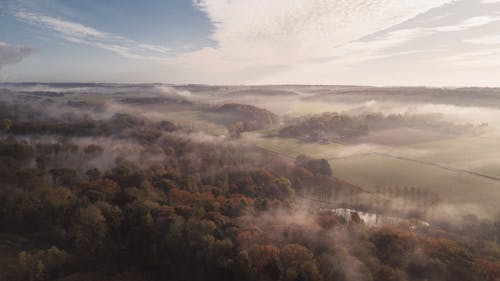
(343, 127)
(22, 119)
(242, 118)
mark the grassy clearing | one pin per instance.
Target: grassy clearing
(481, 155)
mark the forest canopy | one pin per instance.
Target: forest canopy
(95, 194)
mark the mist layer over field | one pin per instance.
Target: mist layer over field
(450, 135)
(267, 182)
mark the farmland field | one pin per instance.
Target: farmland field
(369, 166)
(454, 187)
(478, 154)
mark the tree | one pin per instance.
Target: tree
(30, 268)
(293, 258)
(266, 262)
(93, 174)
(355, 218)
(386, 273)
(64, 176)
(5, 125)
(316, 166)
(55, 260)
(89, 231)
(283, 189)
(42, 264)
(390, 246)
(309, 272)
(489, 270)
(327, 220)
(29, 178)
(236, 129)
(93, 151)
(56, 204)
(497, 228)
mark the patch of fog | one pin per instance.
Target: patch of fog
(111, 108)
(297, 107)
(372, 219)
(458, 114)
(469, 114)
(359, 149)
(46, 88)
(413, 153)
(201, 137)
(453, 212)
(170, 92)
(138, 89)
(113, 148)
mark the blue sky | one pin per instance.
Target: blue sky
(173, 26)
(173, 23)
(377, 42)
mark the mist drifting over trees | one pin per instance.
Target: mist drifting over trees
(142, 182)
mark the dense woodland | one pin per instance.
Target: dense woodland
(127, 198)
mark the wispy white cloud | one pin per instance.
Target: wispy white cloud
(62, 26)
(296, 29)
(286, 33)
(482, 58)
(389, 43)
(305, 40)
(81, 34)
(381, 47)
(394, 38)
(155, 48)
(485, 40)
(468, 23)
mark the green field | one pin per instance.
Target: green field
(454, 187)
(358, 164)
(478, 154)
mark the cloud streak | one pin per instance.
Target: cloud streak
(64, 27)
(361, 50)
(485, 40)
(80, 34)
(472, 22)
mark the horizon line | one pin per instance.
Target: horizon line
(256, 85)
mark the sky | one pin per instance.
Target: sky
(357, 42)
